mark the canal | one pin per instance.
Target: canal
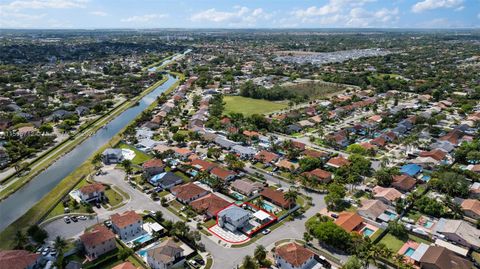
(22, 200)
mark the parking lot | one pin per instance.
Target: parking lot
(73, 229)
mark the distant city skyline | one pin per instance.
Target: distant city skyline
(95, 14)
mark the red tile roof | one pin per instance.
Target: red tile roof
(250, 133)
(97, 236)
(202, 165)
(125, 265)
(275, 196)
(348, 221)
(266, 156)
(436, 154)
(314, 153)
(210, 204)
(125, 219)
(294, 254)
(320, 174)
(338, 161)
(471, 205)
(404, 182)
(187, 191)
(17, 259)
(91, 188)
(152, 163)
(221, 173)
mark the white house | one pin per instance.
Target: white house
(92, 192)
(295, 256)
(233, 218)
(127, 225)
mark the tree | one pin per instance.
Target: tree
(179, 137)
(97, 160)
(20, 240)
(249, 263)
(260, 254)
(353, 263)
(333, 235)
(450, 183)
(214, 153)
(384, 176)
(59, 243)
(127, 165)
(307, 237)
(291, 196)
(37, 234)
(124, 253)
(357, 149)
(45, 128)
(397, 229)
(309, 163)
(159, 216)
(334, 198)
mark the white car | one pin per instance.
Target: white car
(82, 218)
(266, 231)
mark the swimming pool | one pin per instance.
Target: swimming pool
(142, 252)
(237, 196)
(270, 208)
(367, 232)
(409, 252)
(142, 239)
(391, 215)
(428, 224)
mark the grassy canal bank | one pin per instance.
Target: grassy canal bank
(42, 208)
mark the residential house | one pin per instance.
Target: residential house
(166, 180)
(475, 190)
(127, 225)
(386, 195)
(276, 197)
(295, 256)
(202, 165)
(98, 241)
(403, 182)
(167, 254)
(19, 259)
(153, 167)
(266, 157)
(471, 208)
(315, 153)
(246, 187)
(337, 162)
(320, 175)
(26, 131)
(244, 152)
(411, 169)
(111, 156)
(349, 221)
(209, 205)
(436, 154)
(223, 174)
(436, 257)
(182, 153)
(375, 210)
(94, 192)
(188, 192)
(233, 218)
(459, 231)
(287, 165)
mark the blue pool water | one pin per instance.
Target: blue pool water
(142, 252)
(142, 239)
(428, 224)
(426, 178)
(194, 173)
(367, 232)
(391, 215)
(238, 196)
(409, 252)
(268, 207)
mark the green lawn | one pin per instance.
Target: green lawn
(140, 157)
(114, 198)
(395, 243)
(249, 106)
(209, 223)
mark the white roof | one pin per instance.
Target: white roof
(261, 215)
(452, 247)
(152, 227)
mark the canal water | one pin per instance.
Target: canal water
(22, 200)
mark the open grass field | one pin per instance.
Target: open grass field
(250, 106)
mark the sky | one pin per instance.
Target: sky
(96, 14)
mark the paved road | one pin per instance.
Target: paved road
(307, 142)
(223, 257)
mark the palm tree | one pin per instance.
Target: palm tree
(20, 240)
(127, 165)
(260, 253)
(249, 263)
(97, 160)
(291, 196)
(59, 243)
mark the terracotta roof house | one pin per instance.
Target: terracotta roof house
(153, 167)
(188, 192)
(251, 133)
(98, 241)
(337, 162)
(298, 145)
(378, 141)
(209, 205)
(471, 208)
(436, 154)
(202, 165)
(287, 165)
(266, 157)
(246, 187)
(182, 152)
(453, 137)
(314, 153)
(223, 174)
(293, 255)
(168, 254)
(387, 195)
(320, 175)
(442, 258)
(275, 196)
(18, 259)
(94, 192)
(349, 221)
(127, 225)
(403, 182)
(125, 265)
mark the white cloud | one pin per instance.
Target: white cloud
(434, 4)
(359, 17)
(144, 18)
(98, 13)
(240, 16)
(20, 20)
(42, 4)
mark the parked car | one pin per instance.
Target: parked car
(82, 218)
(199, 260)
(66, 219)
(74, 218)
(266, 231)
